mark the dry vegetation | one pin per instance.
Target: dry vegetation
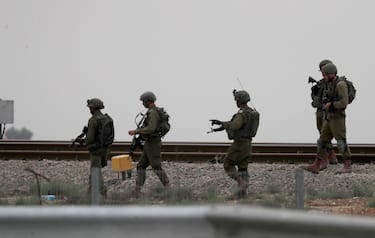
(203, 183)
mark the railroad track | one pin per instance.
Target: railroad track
(178, 151)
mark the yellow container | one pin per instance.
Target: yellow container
(122, 163)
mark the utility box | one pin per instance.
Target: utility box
(122, 163)
(6, 111)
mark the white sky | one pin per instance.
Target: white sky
(55, 54)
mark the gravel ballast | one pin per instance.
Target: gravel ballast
(198, 177)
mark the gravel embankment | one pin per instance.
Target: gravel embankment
(198, 177)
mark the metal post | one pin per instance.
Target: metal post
(300, 189)
(95, 193)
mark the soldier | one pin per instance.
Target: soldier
(98, 152)
(241, 128)
(317, 96)
(335, 100)
(152, 146)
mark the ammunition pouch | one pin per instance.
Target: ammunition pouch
(342, 146)
(230, 134)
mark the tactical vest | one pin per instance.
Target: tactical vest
(249, 129)
(330, 94)
(146, 123)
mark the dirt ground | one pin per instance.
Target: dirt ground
(354, 206)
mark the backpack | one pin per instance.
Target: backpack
(249, 130)
(351, 89)
(164, 126)
(106, 131)
(254, 122)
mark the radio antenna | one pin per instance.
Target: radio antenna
(239, 82)
(242, 87)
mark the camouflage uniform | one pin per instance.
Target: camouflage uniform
(330, 157)
(151, 149)
(334, 123)
(336, 95)
(241, 129)
(317, 97)
(98, 154)
(239, 152)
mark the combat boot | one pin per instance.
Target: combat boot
(241, 190)
(347, 167)
(314, 167)
(332, 158)
(243, 184)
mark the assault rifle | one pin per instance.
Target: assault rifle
(216, 122)
(220, 123)
(137, 139)
(311, 80)
(79, 139)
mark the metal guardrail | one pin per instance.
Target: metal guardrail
(188, 221)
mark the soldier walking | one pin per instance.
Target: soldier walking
(317, 97)
(241, 129)
(99, 151)
(335, 100)
(152, 147)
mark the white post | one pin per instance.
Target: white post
(300, 189)
(95, 193)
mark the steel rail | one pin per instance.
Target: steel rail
(178, 151)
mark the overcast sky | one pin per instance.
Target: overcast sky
(55, 54)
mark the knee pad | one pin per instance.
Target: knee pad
(231, 172)
(342, 146)
(329, 146)
(243, 172)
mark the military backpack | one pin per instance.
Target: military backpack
(106, 131)
(164, 125)
(351, 89)
(254, 122)
(249, 130)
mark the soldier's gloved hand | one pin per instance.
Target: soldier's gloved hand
(216, 122)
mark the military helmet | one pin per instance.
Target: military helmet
(329, 69)
(95, 103)
(242, 96)
(324, 62)
(148, 97)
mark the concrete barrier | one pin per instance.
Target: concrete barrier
(99, 222)
(186, 221)
(270, 223)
